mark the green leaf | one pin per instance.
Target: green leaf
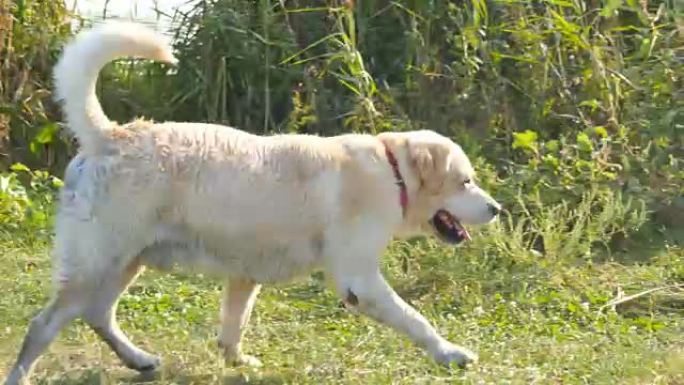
(44, 136)
(552, 145)
(525, 140)
(584, 143)
(46, 133)
(20, 167)
(662, 141)
(593, 104)
(4, 183)
(611, 7)
(551, 161)
(56, 182)
(600, 131)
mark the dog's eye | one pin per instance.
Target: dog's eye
(466, 182)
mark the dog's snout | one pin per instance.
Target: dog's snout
(494, 208)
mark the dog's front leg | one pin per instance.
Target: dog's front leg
(355, 270)
(371, 294)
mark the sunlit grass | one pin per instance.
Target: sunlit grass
(530, 324)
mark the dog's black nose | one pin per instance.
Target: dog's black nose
(495, 209)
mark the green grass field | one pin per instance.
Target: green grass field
(532, 320)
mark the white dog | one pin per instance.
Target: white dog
(251, 209)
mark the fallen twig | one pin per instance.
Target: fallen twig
(622, 299)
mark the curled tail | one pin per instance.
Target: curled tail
(82, 59)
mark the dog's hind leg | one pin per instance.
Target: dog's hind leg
(239, 296)
(66, 305)
(100, 314)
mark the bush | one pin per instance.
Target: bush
(31, 35)
(569, 108)
(26, 208)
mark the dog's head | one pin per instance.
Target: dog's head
(444, 195)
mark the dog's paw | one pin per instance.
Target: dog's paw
(244, 360)
(233, 356)
(247, 360)
(449, 354)
(144, 362)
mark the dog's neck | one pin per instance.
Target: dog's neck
(403, 193)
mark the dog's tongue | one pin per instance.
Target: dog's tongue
(461, 230)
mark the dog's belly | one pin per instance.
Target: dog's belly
(263, 261)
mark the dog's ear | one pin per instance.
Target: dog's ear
(431, 162)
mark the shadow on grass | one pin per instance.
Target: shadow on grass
(643, 245)
(97, 377)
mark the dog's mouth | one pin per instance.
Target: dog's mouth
(448, 228)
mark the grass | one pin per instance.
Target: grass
(532, 322)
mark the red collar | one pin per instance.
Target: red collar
(403, 194)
